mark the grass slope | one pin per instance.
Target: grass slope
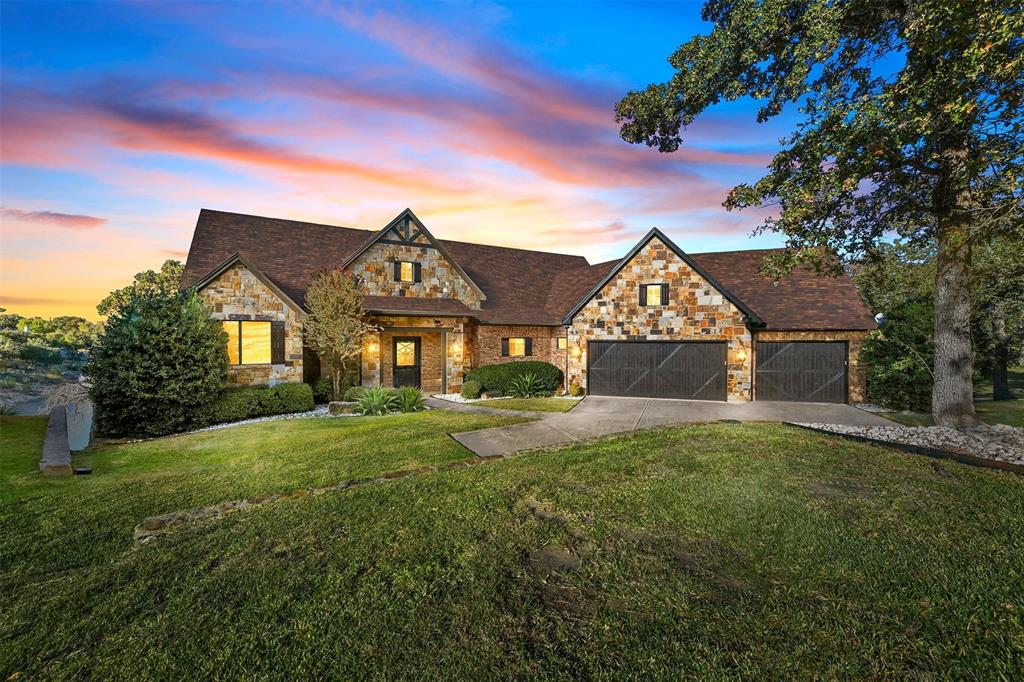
(1009, 412)
(717, 550)
(532, 404)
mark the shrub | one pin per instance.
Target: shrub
(499, 377)
(575, 390)
(898, 357)
(410, 399)
(250, 402)
(355, 393)
(377, 401)
(292, 398)
(158, 366)
(41, 354)
(526, 386)
(323, 390)
(471, 390)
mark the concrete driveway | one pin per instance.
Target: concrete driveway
(602, 416)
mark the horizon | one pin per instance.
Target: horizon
(493, 122)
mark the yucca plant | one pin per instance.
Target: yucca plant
(411, 399)
(526, 386)
(377, 401)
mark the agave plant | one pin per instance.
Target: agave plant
(526, 386)
(377, 401)
(410, 399)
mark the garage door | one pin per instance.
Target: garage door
(804, 371)
(652, 369)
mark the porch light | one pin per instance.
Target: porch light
(372, 347)
(741, 355)
(575, 351)
(456, 346)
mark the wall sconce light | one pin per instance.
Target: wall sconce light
(456, 346)
(372, 347)
(575, 351)
(741, 355)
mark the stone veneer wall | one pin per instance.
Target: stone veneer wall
(857, 377)
(439, 278)
(694, 311)
(487, 346)
(239, 295)
(376, 364)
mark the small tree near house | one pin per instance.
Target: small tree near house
(336, 325)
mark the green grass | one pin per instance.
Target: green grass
(532, 404)
(990, 411)
(704, 551)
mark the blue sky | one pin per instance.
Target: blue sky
(493, 121)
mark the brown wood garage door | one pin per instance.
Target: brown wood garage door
(804, 371)
(693, 370)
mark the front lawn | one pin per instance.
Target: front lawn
(1009, 412)
(715, 550)
(532, 404)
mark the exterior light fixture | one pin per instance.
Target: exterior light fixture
(741, 355)
(880, 319)
(456, 346)
(372, 347)
(575, 351)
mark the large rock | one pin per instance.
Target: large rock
(342, 407)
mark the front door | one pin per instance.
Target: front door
(406, 361)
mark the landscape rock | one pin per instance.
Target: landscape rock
(342, 407)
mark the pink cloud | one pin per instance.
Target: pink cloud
(71, 221)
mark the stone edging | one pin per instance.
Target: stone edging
(922, 450)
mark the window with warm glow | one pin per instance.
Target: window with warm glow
(248, 343)
(405, 353)
(407, 272)
(517, 347)
(654, 294)
(563, 343)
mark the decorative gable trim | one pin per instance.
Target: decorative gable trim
(407, 230)
(753, 319)
(237, 258)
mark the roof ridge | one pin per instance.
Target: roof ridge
(286, 220)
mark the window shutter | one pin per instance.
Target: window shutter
(529, 345)
(664, 294)
(643, 294)
(416, 277)
(398, 271)
(277, 343)
(504, 348)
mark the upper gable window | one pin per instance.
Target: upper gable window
(653, 294)
(407, 272)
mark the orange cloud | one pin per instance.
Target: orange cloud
(71, 221)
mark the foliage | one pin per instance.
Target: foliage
(526, 386)
(575, 389)
(250, 402)
(377, 401)
(40, 354)
(158, 365)
(323, 390)
(911, 119)
(39, 340)
(499, 377)
(893, 273)
(410, 399)
(354, 393)
(898, 358)
(471, 390)
(335, 326)
(147, 284)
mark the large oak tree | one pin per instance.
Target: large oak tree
(910, 124)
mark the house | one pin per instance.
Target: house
(659, 322)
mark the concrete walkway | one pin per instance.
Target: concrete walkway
(603, 416)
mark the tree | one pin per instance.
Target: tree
(335, 326)
(145, 284)
(911, 124)
(998, 302)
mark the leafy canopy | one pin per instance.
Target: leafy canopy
(145, 284)
(336, 324)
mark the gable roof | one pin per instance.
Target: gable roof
(251, 267)
(655, 233)
(522, 287)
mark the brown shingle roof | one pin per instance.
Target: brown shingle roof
(522, 287)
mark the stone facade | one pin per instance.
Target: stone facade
(439, 279)
(694, 311)
(857, 385)
(239, 295)
(442, 350)
(487, 346)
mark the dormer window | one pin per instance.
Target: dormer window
(653, 294)
(407, 271)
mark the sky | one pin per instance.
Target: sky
(493, 121)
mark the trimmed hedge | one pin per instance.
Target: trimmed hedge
(499, 377)
(354, 393)
(249, 402)
(471, 390)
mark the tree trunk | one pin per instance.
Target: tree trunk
(953, 388)
(336, 375)
(1001, 361)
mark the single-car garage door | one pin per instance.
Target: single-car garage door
(694, 370)
(806, 371)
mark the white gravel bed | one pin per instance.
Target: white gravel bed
(318, 411)
(998, 442)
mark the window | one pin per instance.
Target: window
(407, 271)
(517, 347)
(253, 343)
(563, 343)
(653, 294)
(405, 353)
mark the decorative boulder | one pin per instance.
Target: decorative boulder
(342, 407)
(491, 394)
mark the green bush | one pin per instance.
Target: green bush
(526, 386)
(410, 399)
(40, 354)
(355, 393)
(323, 390)
(250, 402)
(471, 390)
(499, 377)
(897, 359)
(377, 401)
(575, 390)
(292, 398)
(158, 366)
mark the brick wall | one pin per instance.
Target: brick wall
(857, 378)
(694, 311)
(376, 360)
(439, 278)
(487, 345)
(239, 295)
